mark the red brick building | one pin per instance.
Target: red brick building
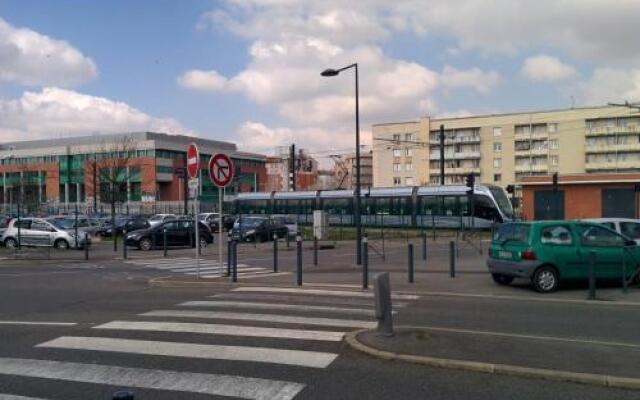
(581, 196)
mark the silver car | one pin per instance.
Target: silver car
(158, 219)
(40, 232)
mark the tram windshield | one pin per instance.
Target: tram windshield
(503, 202)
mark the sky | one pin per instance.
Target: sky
(248, 71)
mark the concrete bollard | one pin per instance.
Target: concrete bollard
(382, 298)
(424, 245)
(315, 250)
(452, 259)
(234, 246)
(299, 259)
(229, 255)
(86, 246)
(592, 275)
(164, 241)
(124, 244)
(365, 261)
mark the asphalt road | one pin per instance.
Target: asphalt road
(178, 350)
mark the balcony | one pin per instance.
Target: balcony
(519, 137)
(532, 168)
(608, 148)
(460, 139)
(612, 165)
(612, 130)
(463, 155)
(456, 171)
(532, 152)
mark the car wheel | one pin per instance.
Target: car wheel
(545, 279)
(502, 279)
(61, 244)
(11, 243)
(145, 244)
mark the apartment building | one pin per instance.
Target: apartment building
(346, 171)
(279, 168)
(502, 149)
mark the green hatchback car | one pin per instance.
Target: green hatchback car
(546, 252)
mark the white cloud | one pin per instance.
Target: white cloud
(611, 85)
(202, 80)
(474, 78)
(546, 68)
(30, 58)
(54, 111)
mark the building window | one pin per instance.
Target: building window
(409, 137)
(497, 146)
(396, 167)
(497, 162)
(397, 152)
(552, 127)
(408, 181)
(553, 144)
(409, 166)
(396, 137)
(497, 177)
(497, 131)
(396, 180)
(408, 152)
(553, 160)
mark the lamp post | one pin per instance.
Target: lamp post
(333, 72)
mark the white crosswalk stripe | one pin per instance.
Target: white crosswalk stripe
(200, 330)
(189, 267)
(4, 396)
(211, 384)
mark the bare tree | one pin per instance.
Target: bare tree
(110, 174)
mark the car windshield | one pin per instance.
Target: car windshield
(515, 232)
(250, 222)
(156, 218)
(62, 223)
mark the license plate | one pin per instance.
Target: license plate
(504, 254)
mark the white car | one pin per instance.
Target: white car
(39, 232)
(157, 219)
(626, 226)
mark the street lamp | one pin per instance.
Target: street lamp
(334, 72)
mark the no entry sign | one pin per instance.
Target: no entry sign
(220, 169)
(192, 160)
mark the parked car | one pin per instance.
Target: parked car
(85, 225)
(157, 219)
(4, 223)
(128, 224)
(212, 220)
(40, 232)
(292, 226)
(251, 229)
(548, 252)
(625, 226)
(178, 233)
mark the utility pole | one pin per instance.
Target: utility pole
(556, 196)
(95, 181)
(292, 168)
(442, 154)
(185, 189)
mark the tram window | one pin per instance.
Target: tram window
(337, 206)
(450, 206)
(431, 205)
(384, 205)
(464, 205)
(485, 208)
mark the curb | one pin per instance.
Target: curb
(618, 382)
(164, 282)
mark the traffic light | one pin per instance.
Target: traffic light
(555, 181)
(511, 189)
(470, 181)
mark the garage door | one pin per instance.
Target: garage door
(618, 203)
(548, 205)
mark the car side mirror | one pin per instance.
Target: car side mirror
(630, 243)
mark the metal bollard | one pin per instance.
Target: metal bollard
(123, 395)
(124, 244)
(365, 261)
(424, 245)
(299, 259)
(410, 261)
(288, 240)
(234, 246)
(164, 241)
(275, 252)
(452, 259)
(592, 275)
(624, 273)
(229, 255)
(382, 298)
(86, 246)
(315, 250)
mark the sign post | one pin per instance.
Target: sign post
(193, 162)
(221, 174)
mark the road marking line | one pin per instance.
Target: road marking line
(285, 319)
(4, 396)
(300, 358)
(189, 269)
(535, 337)
(48, 323)
(244, 270)
(271, 306)
(321, 292)
(210, 384)
(230, 330)
(286, 298)
(265, 274)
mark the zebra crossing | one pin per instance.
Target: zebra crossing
(187, 266)
(293, 328)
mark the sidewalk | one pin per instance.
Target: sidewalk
(599, 363)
